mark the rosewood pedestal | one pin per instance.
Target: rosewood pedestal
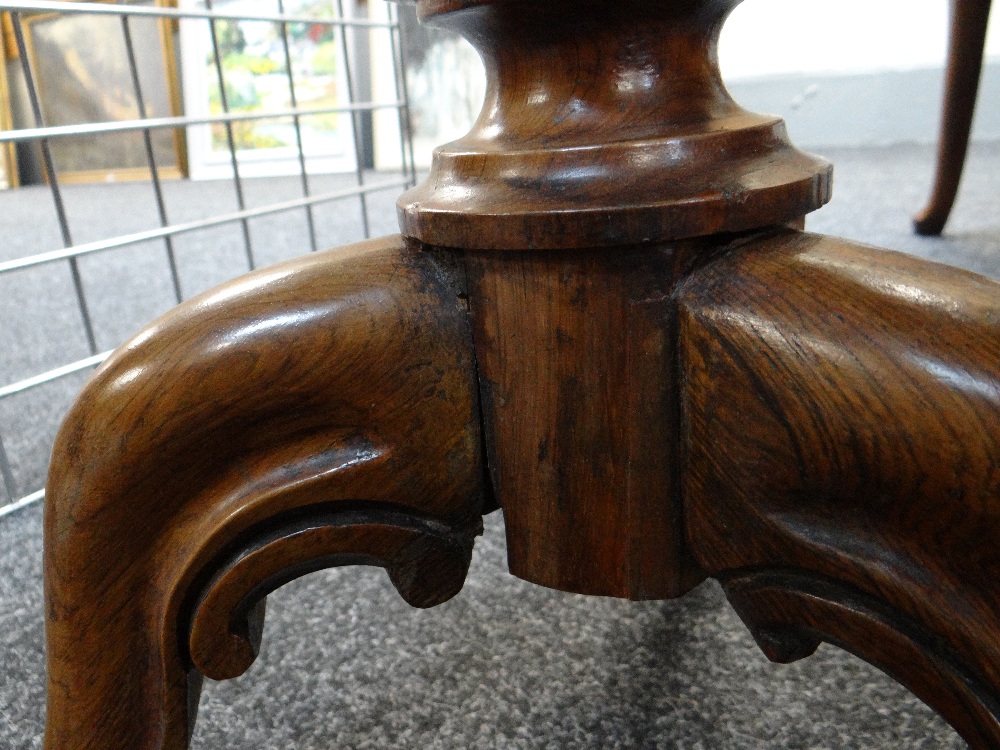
(603, 318)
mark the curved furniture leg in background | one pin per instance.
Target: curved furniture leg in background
(843, 464)
(315, 413)
(969, 19)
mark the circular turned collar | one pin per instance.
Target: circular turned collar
(604, 124)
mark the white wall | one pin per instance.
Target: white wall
(851, 72)
(775, 37)
(840, 72)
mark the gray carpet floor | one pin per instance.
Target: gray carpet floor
(345, 663)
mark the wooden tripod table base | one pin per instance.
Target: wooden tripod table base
(600, 320)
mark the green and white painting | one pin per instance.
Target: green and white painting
(256, 81)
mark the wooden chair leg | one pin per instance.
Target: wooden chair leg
(316, 413)
(843, 471)
(969, 19)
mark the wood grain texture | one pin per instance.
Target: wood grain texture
(323, 411)
(605, 125)
(842, 409)
(576, 355)
(969, 19)
(814, 422)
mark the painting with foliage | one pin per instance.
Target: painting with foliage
(255, 79)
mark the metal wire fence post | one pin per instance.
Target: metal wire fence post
(154, 173)
(43, 262)
(53, 179)
(293, 98)
(230, 137)
(355, 125)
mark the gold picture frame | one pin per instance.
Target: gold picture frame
(81, 68)
(8, 152)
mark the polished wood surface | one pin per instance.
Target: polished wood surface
(604, 319)
(969, 19)
(605, 124)
(842, 414)
(255, 433)
(576, 353)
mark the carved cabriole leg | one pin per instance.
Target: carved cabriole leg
(842, 473)
(969, 20)
(315, 413)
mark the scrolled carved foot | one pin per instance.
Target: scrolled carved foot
(427, 562)
(843, 464)
(319, 412)
(790, 613)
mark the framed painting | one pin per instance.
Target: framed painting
(83, 75)
(256, 78)
(8, 155)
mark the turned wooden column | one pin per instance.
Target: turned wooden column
(602, 318)
(608, 162)
(676, 384)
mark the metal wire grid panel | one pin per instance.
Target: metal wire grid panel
(99, 207)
